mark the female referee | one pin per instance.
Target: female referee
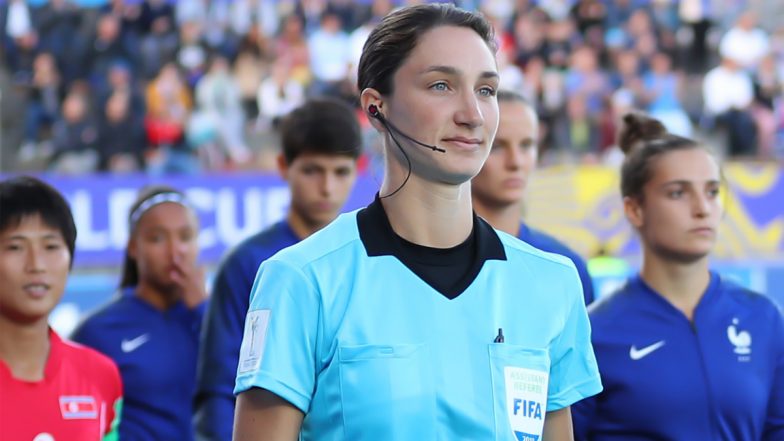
(412, 318)
(152, 329)
(683, 353)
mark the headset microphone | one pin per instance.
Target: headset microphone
(373, 110)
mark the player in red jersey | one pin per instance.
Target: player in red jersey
(50, 389)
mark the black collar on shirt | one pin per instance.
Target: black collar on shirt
(463, 262)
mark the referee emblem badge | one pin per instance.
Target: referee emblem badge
(526, 401)
(252, 347)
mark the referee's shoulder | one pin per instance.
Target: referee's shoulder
(323, 244)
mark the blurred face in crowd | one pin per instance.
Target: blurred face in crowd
(628, 63)
(584, 60)
(108, 28)
(319, 185)
(661, 63)
(680, 211)
(117, 107)
(505, 174)
(119, 76)
(74, 108)
(292, 29)
(747, 21)
(165, 239)
(34, 265)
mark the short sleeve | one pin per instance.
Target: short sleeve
(574, 374)
(279, 343)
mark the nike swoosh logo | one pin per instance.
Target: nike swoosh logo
(133, 344)
(636, 354)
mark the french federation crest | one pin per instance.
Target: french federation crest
(741, 340)
(526, 401)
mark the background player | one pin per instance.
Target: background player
(498, 190)
(683, 353)
(151, 329)
(321, 143)
(50, 389)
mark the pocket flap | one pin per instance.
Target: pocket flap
(370, 352)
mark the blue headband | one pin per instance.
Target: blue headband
(156, 200)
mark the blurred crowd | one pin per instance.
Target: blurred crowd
(190, 85)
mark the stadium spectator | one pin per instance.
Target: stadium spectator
(330, 58)
(169, 105)
(43, 106)
(57, 23)
(768, 106)
(106, 47)
(745, 42)
(158, 37)
(51, 388)
(218, 99)
(691, 329)
(697, 18)
(121, 143)
(585, 80)
(292, 44)
(728, 92)
(20, 38)
(279, 93)
(120, 79)
(537, 37)
(75, 137)
(321, 143)
(151, 328)
(192, 54)
(661, 93)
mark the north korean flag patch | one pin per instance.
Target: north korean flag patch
(78, 407)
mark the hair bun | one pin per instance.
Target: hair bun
(637, 129)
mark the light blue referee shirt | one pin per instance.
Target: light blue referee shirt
(341, 328)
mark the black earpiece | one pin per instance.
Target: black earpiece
(374, 113)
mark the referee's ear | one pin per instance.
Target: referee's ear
(371, 97)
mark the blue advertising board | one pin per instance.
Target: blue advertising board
(230, 207)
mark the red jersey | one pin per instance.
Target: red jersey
(79, 397)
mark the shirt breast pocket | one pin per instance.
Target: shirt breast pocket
(387, 392)
(520, 378)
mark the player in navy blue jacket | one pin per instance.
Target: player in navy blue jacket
(683, 353)
(321, 143)
(498, 189)
(151, 329)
